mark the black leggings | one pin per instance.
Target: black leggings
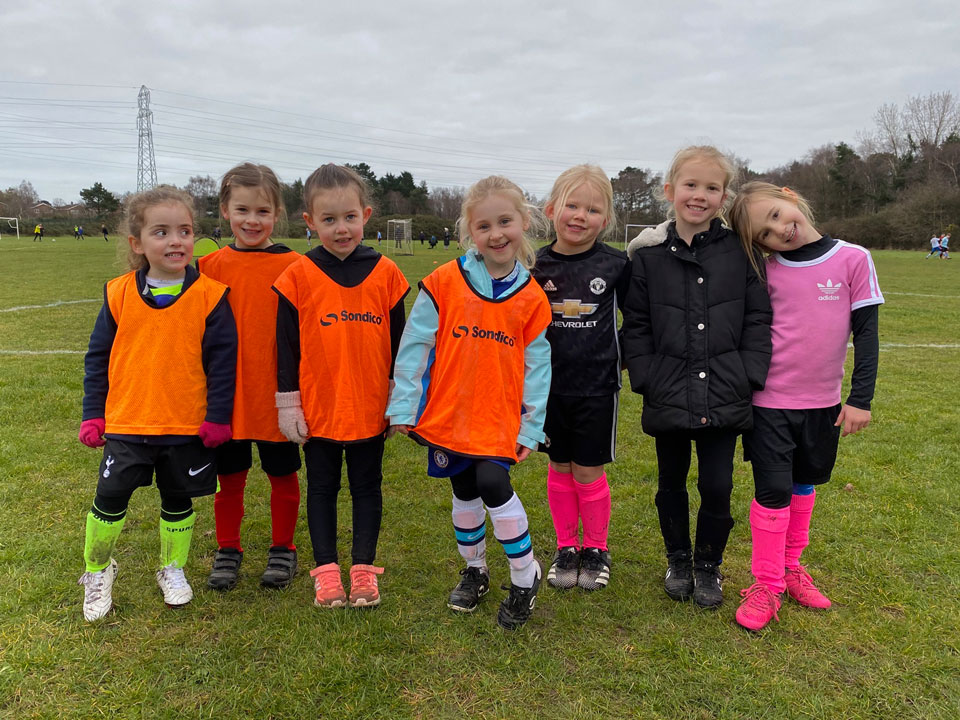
(172, 507)
(485, 480)
(365, 475)
(715, 450)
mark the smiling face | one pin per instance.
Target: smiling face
(496, 227)
(697, 195)
(165, 240)
(251, 215)
(779, 224)
(579, 221)
(337, 216)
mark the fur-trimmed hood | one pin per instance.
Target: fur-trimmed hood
(648, 237)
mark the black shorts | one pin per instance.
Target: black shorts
(797, 444)
(187, 470)
(581, 429)
(276, 458)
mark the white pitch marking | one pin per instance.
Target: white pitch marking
(951, 297)
(49, 305)
(42, 352)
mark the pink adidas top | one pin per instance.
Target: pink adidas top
(812, 302)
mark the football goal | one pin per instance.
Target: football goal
(13, 223)
(400, 237)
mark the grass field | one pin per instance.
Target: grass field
(885, 548)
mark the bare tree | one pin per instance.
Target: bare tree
(445, 202)
(891, 130)
(930, 119)
(205, 193)
(18, 200)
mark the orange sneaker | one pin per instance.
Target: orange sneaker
(363, 586)
(329, 587)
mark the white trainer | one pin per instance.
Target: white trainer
(173, 583)
(98, 591)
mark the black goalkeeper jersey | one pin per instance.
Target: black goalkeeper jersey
(585, 291)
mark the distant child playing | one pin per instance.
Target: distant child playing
(158, 393)
(251, 202)
(339, 322)
(696, 335)
(820, 289)
(586, 281)
(472, 380)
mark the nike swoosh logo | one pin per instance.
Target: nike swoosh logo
(191, 472)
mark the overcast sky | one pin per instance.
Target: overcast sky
(451, 91)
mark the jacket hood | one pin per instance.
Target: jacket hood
(648, 237)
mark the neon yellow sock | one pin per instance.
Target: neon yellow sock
(101, 538)
(175, 540)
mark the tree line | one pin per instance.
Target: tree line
(896, 184)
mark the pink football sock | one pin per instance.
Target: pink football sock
(768, 528)
(798, 531)
(595, 511)
(564, 507)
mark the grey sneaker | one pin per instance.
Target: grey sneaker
(98, 591)
(565, 568)
(594, 569)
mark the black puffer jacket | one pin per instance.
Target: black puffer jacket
(696, 331)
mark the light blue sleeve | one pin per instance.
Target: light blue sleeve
(536, 388)
(411, 373)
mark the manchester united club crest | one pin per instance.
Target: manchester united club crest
(598, 285)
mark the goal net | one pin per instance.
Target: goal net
(13, 223)
(400, 237)
(631, 231)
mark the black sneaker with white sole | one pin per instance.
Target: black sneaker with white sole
(707, 585)
(679, 579)
(516, 608)
(565, 568)
(594, 569)
(474, 584)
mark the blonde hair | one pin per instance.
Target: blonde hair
(593, 177)
(701, 152)
(740, 217)
(135, 211)
(248, 175)
(497, 184)
(334, 177)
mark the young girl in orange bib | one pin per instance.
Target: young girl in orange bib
(250, 200)
(157, 393)
(473, 375)
(339, 323)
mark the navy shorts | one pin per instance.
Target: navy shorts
(276, 458)
(581, 429)
(792, 447)
(188, 470)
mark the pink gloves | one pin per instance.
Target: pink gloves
(290, 417)
(91, 432)
(214, 434)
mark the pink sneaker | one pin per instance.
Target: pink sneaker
(801, 588)
(328, 586)
(758, 607)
